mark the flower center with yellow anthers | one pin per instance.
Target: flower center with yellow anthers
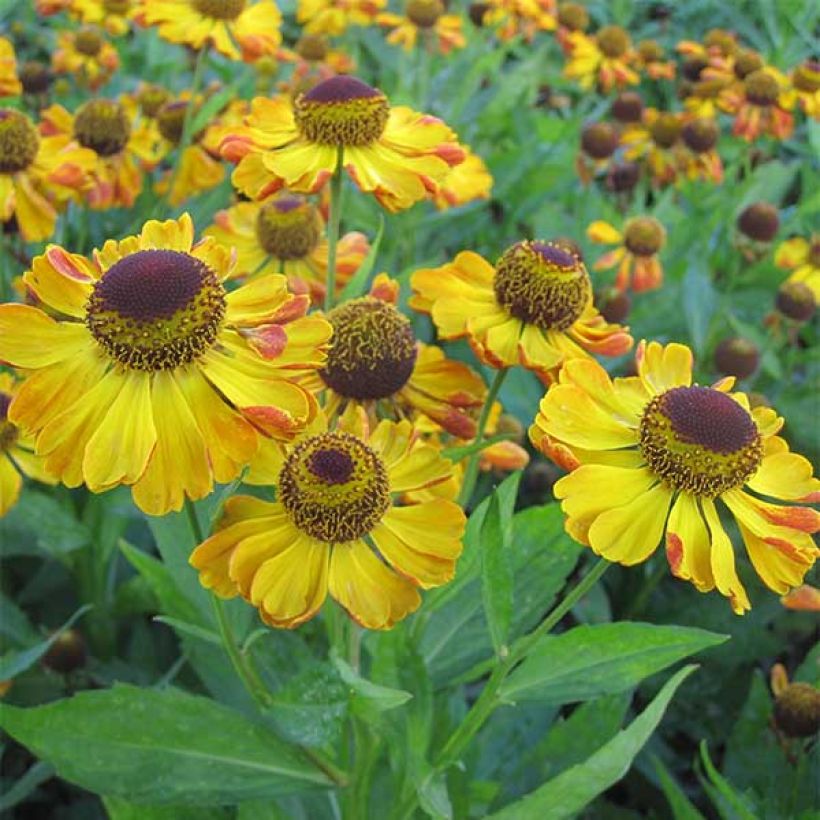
(8, 431)
(288, 227)
(644, 236)
(102, 126)
(746, 62)
(806, 77)
(542, 284)
(342, 111)
(312, 47)
(699, 440)
(424, 13)
(88, 41)
(220, 9)
(151, 98)
(334, 487)
(665, 130)
(573, 16)
(19, 141)
(761, 88)
(700, 135)
(156, 310)
(613, 41)
(117, 6)
(373, 352)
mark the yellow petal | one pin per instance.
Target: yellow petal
(604, 233)
(31, 339)
(723, 561)
(688, 547)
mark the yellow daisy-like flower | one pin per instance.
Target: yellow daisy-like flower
(394, 153)
(105, 128)
(650, 455)
(10, 85)
(603, 59)
(114, 16)
(86, 55)
(239, 29)
(335, 508)
(38, 174)
(17, 457)
(286, 235)
(520, 17)
(334, 16)
(760, 104)
(152, 375)
(636, 255)
(801, 256)
(425, 19)
(533, 308)
(466, 182)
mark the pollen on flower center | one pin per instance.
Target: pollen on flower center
(19, 141)
(288, 227)
(373, 352)
(88, 41)
(8, 431)
(699, 440)
(543, 284)
(220, 9)
(102, 126)
(424, 13)
(156, 309)
(342, 111)
(334, 487)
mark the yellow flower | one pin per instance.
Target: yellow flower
(650, 58)
(636, 255)
(152, 375)
(466, 182)
(335, 507)
(16, 452)
(657, 139)
(642, 445)
(533, 308)
(286, 234)
(802, 257)
(394, 153)
(10, 85)
(85, 54)
(239, 29)
(603, 59)
(38, 174)
(426, 19)
(524, 17)
(334, 16)
(114, 16)
(760, 104)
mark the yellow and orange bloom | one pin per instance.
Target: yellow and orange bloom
(636, 256)
(394, 153)
(760, 105)
(10, 85)
(38, 174)
(48, 7)
(525, 18)
(805, 83)
(239, 29)
(147, 372)
(424, 19)
(571, 17)
(534, 308)
(651, 455)
(333, 17)
(466, 182)
(87, 55)
(703, 97)
(17, 457)
(336, 496)
(698, 157)
(604, 59)
(805, 598)
(656, 141)
(651, 60)
(316, 60)
(801, 256)
(286, 234)
(115, 16)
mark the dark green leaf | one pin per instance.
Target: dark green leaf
(123, 810)
(369, 697)
(679, 803)
(26, 785)
(42, 521)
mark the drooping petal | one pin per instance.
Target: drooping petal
(723, 561)
(688, 547)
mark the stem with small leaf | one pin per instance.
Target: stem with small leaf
(333, 229)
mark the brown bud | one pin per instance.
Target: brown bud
(797, 710)
(795, 300)
(67, 653)
(759, 221)
(736, 357)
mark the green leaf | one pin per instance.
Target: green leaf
(496, 566)
(699, 303)
(572, 790)
(184, 628)
(368, 697)
(730, 804)
(202, 118)
(600, 659)
(679, 803)
(40, 519)
(456, 454)
(123, 810)
(15, 661)
(160, 746)
(26, 785)
(357, 284)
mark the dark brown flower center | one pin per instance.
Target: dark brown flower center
(806, 77)
(220, 9)
(665, 130)
(759, 221)
(288, 227)
(312, 47)
(88, 41)
(613, 41)
(573, 16)
(761, 88)
(35, 77)
(8, 431)
(19, 141)
(117, 6)
(746, 62)
(700, 135)
(644, 236)
(424, 13)
(102, 126)
(599, 140)
(627, 107)
(151, 98)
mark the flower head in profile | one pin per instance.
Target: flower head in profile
(805, 82)
(801, 255)
(286, 234)
(10, 85)
(760, 104)
(87, 55)
(239, 29)
(636, 256)
(38, 174)
(115, 16)
(334, 16)
(533, 308)
(17, 457)
(336, 528)
(698, 157)
(147, 372)
(604, 59)
(651, 456)
(394, 153)
(425, 19)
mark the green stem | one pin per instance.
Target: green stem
(488, 700)
(471, 473)
(333, 229)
